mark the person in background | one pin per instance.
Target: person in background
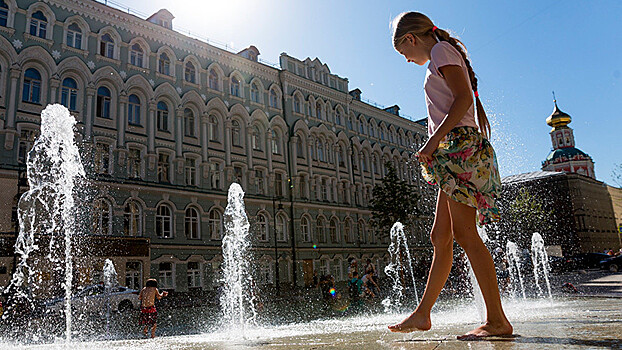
(148, 312)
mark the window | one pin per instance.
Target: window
(163, 168)
(194, 274)
(32, 86)
(213, 80)
(362, 233)
(338, 269)
(189, 123)
(164, 221)
(318, 111)
(74, 36)
(348, 232)
(133, 110)
(278, 184)
(4, 13)
(276, 143)
(304, 229)
(265, 271)
(103, 102)
(300, 151)
(254, 93)
(215, 224)
(26, 141)
(164, 64)
(364, 160)
(323, 190)
(69, 93)
(215, 175)
(281, 228)
(102, 158)
(382, 133)
(162, 116)
(297, 104)
(332, 231)
(349, 123)
(340, 156)
(320, 150)
(134, 163)
(256, 139)
(235, 86)
(362, 126)
(338, 117)
(133, 275)
(260, 182)
(324, 267)
(102, 214)
(238, 174)
(235, 133)
(132, 219)
(136, 55)
(320, 231)
(274, 101)
(38, 24)
(190, 73)
(213, 128)
(192, 224)
(302, 187)
(191, 172)
(262, 222)
(165, 275)
(106, 46)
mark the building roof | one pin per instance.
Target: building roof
(535, 175)
(558, 119)
(568, 152)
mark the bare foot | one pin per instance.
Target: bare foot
(489, 330)
(415, 322)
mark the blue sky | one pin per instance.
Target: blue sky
(520, 50)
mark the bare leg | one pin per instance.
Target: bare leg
(465, 233)
(145, 329)
(442, 241)
(153, 330)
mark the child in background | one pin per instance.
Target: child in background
(148, 312)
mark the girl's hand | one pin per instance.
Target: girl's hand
(425, 153)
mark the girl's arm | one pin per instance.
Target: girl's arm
(158, 294)
(463, 99)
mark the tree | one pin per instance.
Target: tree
(524, 215)
(393, 200)
(616, 174)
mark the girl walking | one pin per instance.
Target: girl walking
(459, 159)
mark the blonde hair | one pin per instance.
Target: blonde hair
(420, 25)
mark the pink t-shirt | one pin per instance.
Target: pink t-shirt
(438, 96)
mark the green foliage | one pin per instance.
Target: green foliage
(526, 215)
(616, 174)
(393, 200)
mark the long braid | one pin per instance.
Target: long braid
(443, 35)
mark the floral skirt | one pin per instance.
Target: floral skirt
(465, 168)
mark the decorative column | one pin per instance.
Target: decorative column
(54, 85)
(294, 153)
(349, 156)
(151, 121)
(228, 142)
(269, 150)
(10, 117)
(249, 147)
(204, 138)
(373, 173)
(179, 131)
(88, 124)
(309, 158)
(121, 119)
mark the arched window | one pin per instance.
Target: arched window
(69, 93)
(192, 224)
(300, 151)
(213, 80)
(333, 232)
(190, 73)
(162, 116)
(382, 133)
(255, 92)
(103, 158)
(163, 167)
(320, 230)
(213, 128)
(297, 104)
(349, 123)
(102, 215)
(74, 36)
(274, 101)
(164, 64)
(256, 139)
(338, 269)
(133, 110)
(136, 55)
(164, 221)
(4, 13)
(362, 126)
(191, 171)
(189, 122)
(364, 160)
(38, 25)
(276, 142)
(281, 228)
(214, 170)
(318, 110)
(348, 232)
(235, 86)
(215, 224)
(132, 219)
(340, 156)
(133, 274)
(106, 46)
(32, 86)
(265, 271)
(362, 233)
(235, 133)
(320, 150)
(262, 233)
(103, 102)
(304, 229)
(338, 117)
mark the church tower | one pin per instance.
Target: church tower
(565, 156)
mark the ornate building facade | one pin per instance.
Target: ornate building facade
(169, 121)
